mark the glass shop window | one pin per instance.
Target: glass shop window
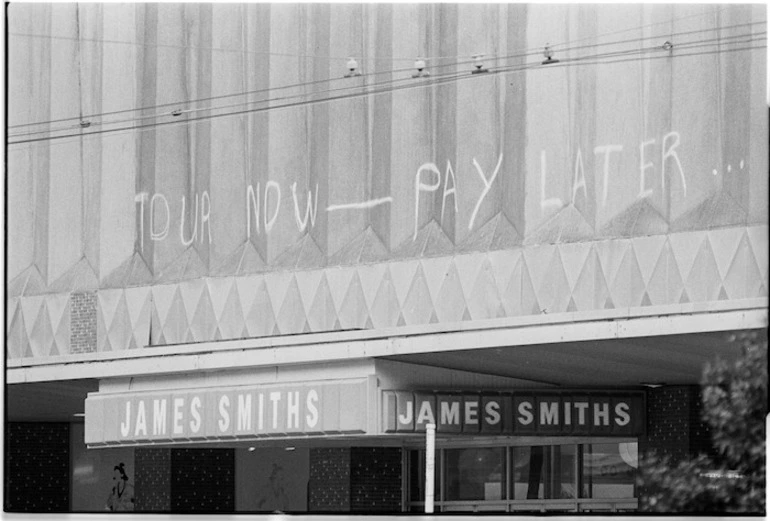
(475, 474)
(416, 465)
(609, 470)
(544, 472)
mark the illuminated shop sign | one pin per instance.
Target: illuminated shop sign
(526, 413)
(225, 413)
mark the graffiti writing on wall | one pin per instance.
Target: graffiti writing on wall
(263, 203)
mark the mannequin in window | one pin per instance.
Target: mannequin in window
(121, 497)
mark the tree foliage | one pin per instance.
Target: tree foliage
(734, 405)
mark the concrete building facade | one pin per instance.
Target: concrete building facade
(244, 271)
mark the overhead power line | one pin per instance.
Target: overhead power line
(340, 58)
(304, 85)
(586, 60)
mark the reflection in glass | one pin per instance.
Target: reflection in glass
(417, 476)
(563, 472)
(477, 473)
(544, 472)
(609, 470)
(527, 473)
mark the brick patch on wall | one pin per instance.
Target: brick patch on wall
(375, 479)
(152, 488)
(674, 425)
(83, 322)
(203, 480)
(668, 422)
(37, 467)
(329, 482)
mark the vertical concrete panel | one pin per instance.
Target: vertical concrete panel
(547, 121)
(257, 41)
(757, 163)
(411, 143)
(381, 115)
(657, 102)
(348, 128)
(618, 119)
(584, 100)
(513, 170)
(287, 149)
(478, 121)
(39, 89)
(118, 173)
(318, 71)
(66, 182)
(21, 211)
(228, 135)
(198, 85)
(146, 85)
(695, 116)
(736, 107)
(445, 28)
(172, 152)
(91, 67)
(25, 81)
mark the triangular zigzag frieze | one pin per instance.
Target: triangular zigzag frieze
(176, 326)
(484, 300)
(17, 339)
(703, 282)
(260, 318)
(451, 299)
(203, 324)
(42, 335)
(119, 332)
(417, 306)
(322, 315)
(291, 316)
(628, 285)
(665, 285)
(353, 311)
(385, 308)
(743, 273)
(231, 320)
(139, 305)
(308, 282)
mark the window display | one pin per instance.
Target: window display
(568, 477)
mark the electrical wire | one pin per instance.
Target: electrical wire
(295, 55)
(435, 81)
(317, 82)
(371, 92)
(724, 39)
(669, 21)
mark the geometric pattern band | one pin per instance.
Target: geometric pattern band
(694, 266)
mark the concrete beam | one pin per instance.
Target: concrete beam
(346, 345)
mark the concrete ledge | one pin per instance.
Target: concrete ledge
(341, 345)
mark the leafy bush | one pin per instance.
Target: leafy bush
(734, 405)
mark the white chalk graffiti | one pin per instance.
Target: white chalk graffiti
(310, 211)
(419, 186)
(364, 205)
(159, 236)
(160, 218)
(487, 186)
(263, 202)
(253, 201)
(643, 190)
(670, 152)
(604, 154)
(607, 150)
